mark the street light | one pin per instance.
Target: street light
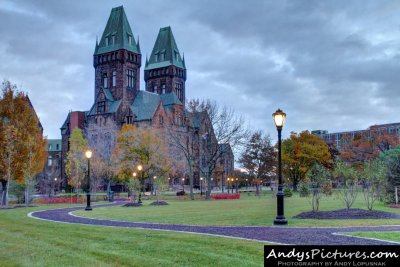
(228, 179)
(88, 155)
(183, 184)
(279, 119)
(237, 185)
(154, 190)
(201, 186)
(55, 185)
(247, 184)
(140, 168)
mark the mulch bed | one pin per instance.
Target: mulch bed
(395, 206)
(344, 214)
(159, 203)
(130, 204)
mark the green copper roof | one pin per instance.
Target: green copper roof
(144, 106)
(170, 99)
(165, 52)
(54, 145)
(117, 34)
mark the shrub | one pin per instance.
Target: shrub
(287, 192)
(226, 196)
(59, 200)
(180, 193)
(326, 189)
(304, 191)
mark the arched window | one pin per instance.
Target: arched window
(105, 80)
(114, 78)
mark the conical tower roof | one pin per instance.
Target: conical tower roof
(165, 51)
(117, 34)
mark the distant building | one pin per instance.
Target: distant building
(50, 179)
(337, 138)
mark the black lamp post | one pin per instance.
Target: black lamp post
(201, 186)
(237, 185)
(279, 118)
(183, 184)
(140, 168)
(88, 155)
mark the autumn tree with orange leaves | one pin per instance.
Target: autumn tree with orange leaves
(366, 147)
(22, 146)
(300, 152)
(140, 146)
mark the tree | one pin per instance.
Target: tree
(139, 146)
(374, 178)
(318, 176)
(133, 186)
(361, 148)
(391, 159)
(160, 185)
(102, 142)
(346, 179)
(186, 143)
(76, 163)
(220, 125)
(33, 165)
(21, 139)
(299, 154)
(258, 157)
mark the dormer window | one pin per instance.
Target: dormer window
(113, 40)
(129, 39)
(50, 147)
(156, 55)
(129, 119)
(101, 106)
(57, 147)
(107, 41)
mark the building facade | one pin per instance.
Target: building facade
(118, 99)
(338, 137)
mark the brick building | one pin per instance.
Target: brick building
(118, 99)
(49, 181)
(337, 138)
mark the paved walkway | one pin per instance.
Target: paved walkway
(281, 235)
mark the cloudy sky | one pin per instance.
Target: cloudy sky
(332, 65)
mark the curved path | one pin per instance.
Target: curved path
(280, 235)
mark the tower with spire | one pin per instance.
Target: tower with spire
(165, 70)
(117, 61)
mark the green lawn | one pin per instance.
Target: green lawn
(29, 242)
(249, 210)
(391, 236)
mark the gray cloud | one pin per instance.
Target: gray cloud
(329, 64)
